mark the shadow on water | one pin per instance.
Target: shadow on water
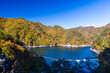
(64, 52)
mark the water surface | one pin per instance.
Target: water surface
(64, 52)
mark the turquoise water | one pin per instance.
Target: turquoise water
(64, 52)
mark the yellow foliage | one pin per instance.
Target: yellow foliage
(7, 51)
(103, 48)
(20, 48)
(97, 46)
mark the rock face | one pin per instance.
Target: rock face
(74, 45)
(4, 63)
(96, 51)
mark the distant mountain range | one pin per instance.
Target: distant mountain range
(35, 33)
(90, 32)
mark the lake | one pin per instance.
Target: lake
(59, 52)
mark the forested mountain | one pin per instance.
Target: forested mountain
(10, 46)
(17, 58)
(91, 32)
(16, 33)
(35, 33)
(102, 41)
(74, 37)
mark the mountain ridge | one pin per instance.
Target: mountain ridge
(36, 33)
(30, 32)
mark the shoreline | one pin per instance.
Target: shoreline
(76, 46)
(96, 51)
(39, 46)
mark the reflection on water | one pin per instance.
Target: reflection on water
(65, 52)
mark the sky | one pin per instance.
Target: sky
(65, 13)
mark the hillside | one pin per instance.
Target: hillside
(75, 37)
(102, 41)
(17, 58)
(10, 46)
(17, 33)
(35, 33)
(91, 32)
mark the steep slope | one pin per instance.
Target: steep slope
(76, 38)
(10, 46)
(102, 41)
(33, 33)
(91, 32)
(22, 29)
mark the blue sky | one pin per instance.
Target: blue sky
(66, 13)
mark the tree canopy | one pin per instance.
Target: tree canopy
(32, 33)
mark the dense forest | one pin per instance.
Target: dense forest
(17, 58)
(17, 33)
(35, 33)
(20, 60)
(102, 41)
(91, 32)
